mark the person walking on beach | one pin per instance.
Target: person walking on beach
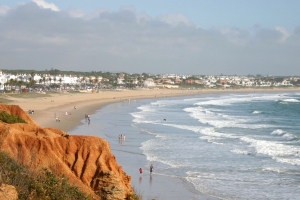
(141, 171)
(151, 169)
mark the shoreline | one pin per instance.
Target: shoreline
(45, 108)
(88, 103)
(108, 123)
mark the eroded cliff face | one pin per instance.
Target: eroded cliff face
(87, 161)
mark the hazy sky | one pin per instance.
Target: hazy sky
(204, 37)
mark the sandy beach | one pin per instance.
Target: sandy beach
(71, 108)
(46, 109)
(62, 105)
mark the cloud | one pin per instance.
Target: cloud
(4, 10)
(236, 36)
(285, 34)
(175, 19)
(32, 37)
(46, 5)
(278, 34)
(76, 13)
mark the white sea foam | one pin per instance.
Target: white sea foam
(137, 115)
(291, 161)
(208, 117)
(284, 102)
(147, 149)
(289, 136)
(222, 102)
(146, 108)
(256, 112)
(273, 169)
(209, 134)
(277, 151)
(291, 100)
(142, 120)
(218, 143)
(238, 151)
(161, 136)
(140, 117)
(219, 120)
(212, 133)
(185, 127)
(158, 104)
(270, 148)
(284, 134)
(197, 99)
(167, 103)
(150, 148)
(278, 132)
(228, 100)
(210, 139)
(204, 131)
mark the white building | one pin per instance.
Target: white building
(149, 82)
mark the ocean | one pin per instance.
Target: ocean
(230, 146)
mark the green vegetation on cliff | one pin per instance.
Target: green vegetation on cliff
(10, 119)
(40, 185)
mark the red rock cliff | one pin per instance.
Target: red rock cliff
(87, 161)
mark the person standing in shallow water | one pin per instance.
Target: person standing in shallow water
(151, 168)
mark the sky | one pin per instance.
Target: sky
(198, 37)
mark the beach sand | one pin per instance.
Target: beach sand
(56, 105)
(150, 187)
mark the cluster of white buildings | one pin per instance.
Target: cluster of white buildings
(165, 80)
(227, 81)
(244, 81)
(47, 79)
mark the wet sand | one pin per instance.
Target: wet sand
(156, 186)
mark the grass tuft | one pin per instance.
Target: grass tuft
(10, 119)
(135, 195)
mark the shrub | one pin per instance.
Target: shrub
(10, 119)
(135, 195)
(41, 185)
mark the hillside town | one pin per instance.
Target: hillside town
(47, 81)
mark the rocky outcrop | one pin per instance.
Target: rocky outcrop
(8, 192)
(87, 161)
